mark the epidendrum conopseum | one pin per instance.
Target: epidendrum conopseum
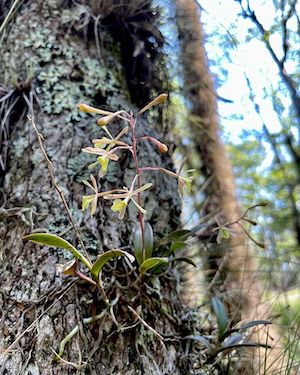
(106, 149)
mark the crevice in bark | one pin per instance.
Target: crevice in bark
(13, 109)
(134, 28)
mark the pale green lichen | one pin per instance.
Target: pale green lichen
(64, 73)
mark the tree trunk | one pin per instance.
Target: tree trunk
(215, 164)
(45, 54)
(234, 273)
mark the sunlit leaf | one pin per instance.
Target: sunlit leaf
(221, 315)
(107, 256)
(152, 262)
(177, 235)
(186, 260)
(52, 240)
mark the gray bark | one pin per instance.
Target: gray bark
(66, 70)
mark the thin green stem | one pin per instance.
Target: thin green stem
(134, 152)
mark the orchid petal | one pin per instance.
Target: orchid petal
(85, 182)
(141, 209)
(86, 201)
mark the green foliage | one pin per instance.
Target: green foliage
(220, 312)
(179, 235)
(106, 149)
(266, 160)
(256, 182)
(52, 240)
(150, 263)
(106, 257)
(143, 247)
(228, 339)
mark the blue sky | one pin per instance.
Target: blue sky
(250, 58)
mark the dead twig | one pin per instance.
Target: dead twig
(146, 324)
(52, 177)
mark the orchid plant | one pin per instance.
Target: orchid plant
(107, 149)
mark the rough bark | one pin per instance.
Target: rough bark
(66, 70)
(234, 273)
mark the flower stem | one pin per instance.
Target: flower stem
(134, 152)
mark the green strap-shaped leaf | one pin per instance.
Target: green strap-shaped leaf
(177, 245)
(107, 256)
(221, 315)
(186, 260)
(138, 243)
(150, 263)
(254, 323)
(247, 325)
(52, 240)
(203, 340)
(237, 346)
(177, 235)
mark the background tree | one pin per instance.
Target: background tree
(257, 68)
(284, 143)
(215, 165)
(234, 273)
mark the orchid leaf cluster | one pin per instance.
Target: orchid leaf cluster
(71, 268)
(228, 338)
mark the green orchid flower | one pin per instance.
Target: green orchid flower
(120, 206)
(106, 149)
(121, 199)
(103, 161)
(92, 200)
(185, 182)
